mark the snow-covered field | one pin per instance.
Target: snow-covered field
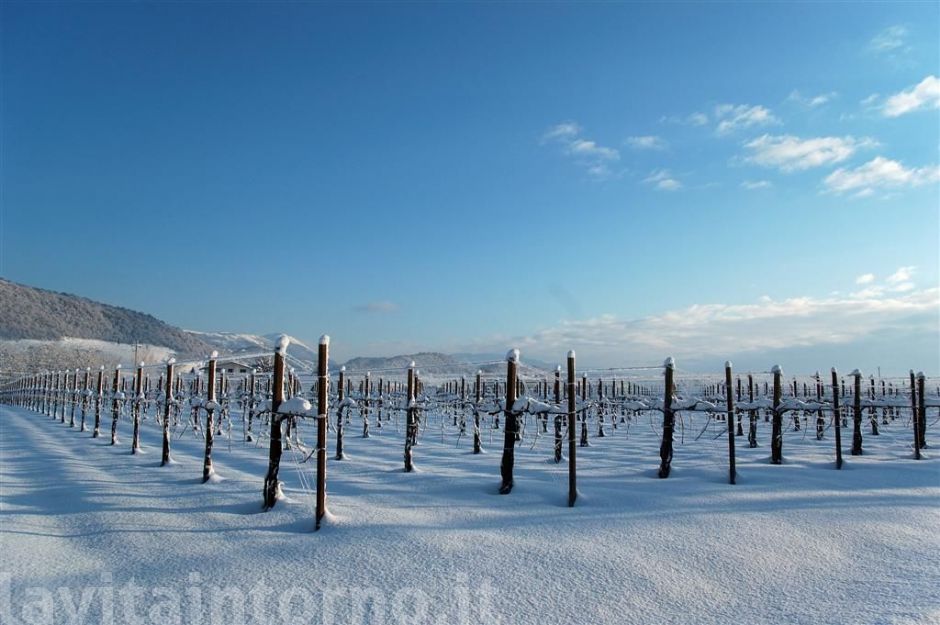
(90, 533)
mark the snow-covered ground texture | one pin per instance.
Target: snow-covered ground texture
(91, 533)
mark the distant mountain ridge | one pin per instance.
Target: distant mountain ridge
(43, 329)
(31, 313)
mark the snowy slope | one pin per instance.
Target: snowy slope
(799, 543)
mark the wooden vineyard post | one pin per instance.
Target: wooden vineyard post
(99, 397)
(323, 394)
(138, 402)
(55, 396)
(85, 391)
(730, 401)
(210, 407)
(340, 419)
(836, 417)
(751, 414)
(857, 414)
(411, 422)
(167, 406)
(557, 393)
(669, 420)
(365, 404)
(921, 411)
(250, 391)
(915, 420)
(572, 405)
(512, 423)
(820, 420)
(737, 397)
(272, 486)
(776, 435)
(74, 397)
(478, 397)
(584, 413)
(115, 403)
(872, 411)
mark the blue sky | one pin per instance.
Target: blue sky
(755, 181)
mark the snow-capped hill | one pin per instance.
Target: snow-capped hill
(235, 343)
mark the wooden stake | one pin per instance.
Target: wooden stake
(730, 401)
(669, 421)
(776, 435)
(323, 378)
(167, 406)
(512, 424)
(836, 417)
(572, 463)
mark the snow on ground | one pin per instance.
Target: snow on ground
(797, 543)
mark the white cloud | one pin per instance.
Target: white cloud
(590, 150)
(663, 180)
(378, 307)
(891, 39)
(923, 95)
(646, 142)
(790, 153)
(811, 101)
(704, 331)
(692, 119)
(903, 274)
(735, 117)
(879, 173)
(756, 184)
(589, 154)
(865, 278)
(870, 100)
(564, 130)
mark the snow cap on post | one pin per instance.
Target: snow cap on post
(776, 369)
(856, 372)
(87, 368)
(171, 361)
(214, 354)
(834, 370)
(343, 368)
(412, 365)
(119, 366)
(727, 364)
(479, 371)
(139, 364)
(512, 355)
(102, 368)
(669, 363)
(570, 353)
(282, 342)
(921, 376)
(325, 339)
(558, 367)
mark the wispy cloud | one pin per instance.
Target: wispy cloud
(696, 118)
(663, 180)
(925, 95)
(736, 117)
(903, 274)
(753, 185)
(704, 331)
(377, 307)
(811, 101)
(790, 153)
(646, 142)
(593, 157)
(892, 39)
(878, 174)
(865, 278)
